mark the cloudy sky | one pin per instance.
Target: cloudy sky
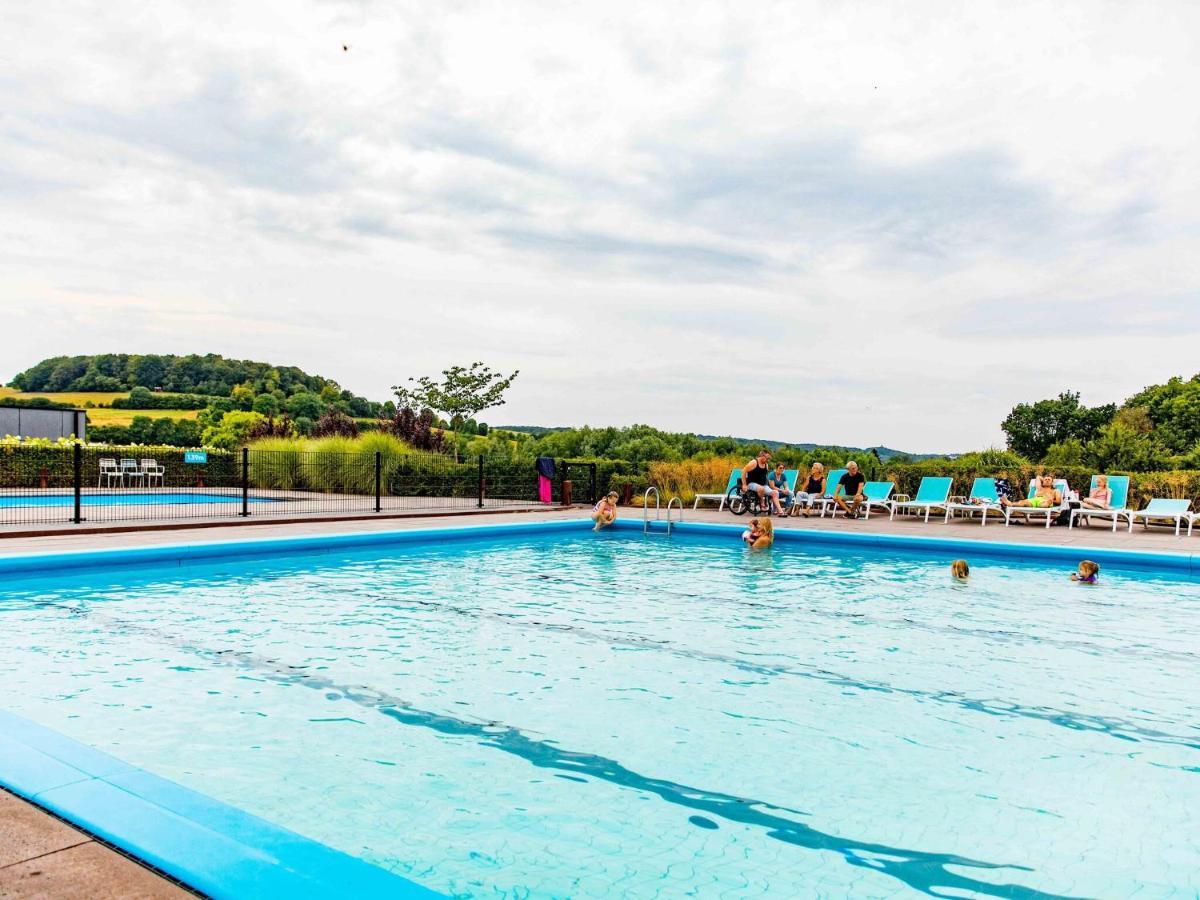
(835, 222)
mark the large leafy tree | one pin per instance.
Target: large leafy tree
(1032, 428)
(1174, 410)
(460, 394)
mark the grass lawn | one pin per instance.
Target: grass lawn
(103, 416)
(125, 416)
(75, 398)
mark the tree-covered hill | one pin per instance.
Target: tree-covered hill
(210, 374)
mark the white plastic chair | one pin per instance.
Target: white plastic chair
(152, 470)
(131, 472)
(108, 471)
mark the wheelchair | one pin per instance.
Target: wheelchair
(748, 501)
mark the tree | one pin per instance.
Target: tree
(1033, 427)
(335, 423)
(233, 431)
(1120, 448)
(460, 395)
(304, 406)
(267, 405)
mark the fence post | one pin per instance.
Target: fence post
(77, 483)
(480, 481)
(378, 479)
(592, 483)
(245, 481)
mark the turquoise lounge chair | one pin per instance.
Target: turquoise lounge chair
(877, 493)
(982, 499)
(932, 493)
(733, 480)
(1165, 510)
(1050, 512)
(1119, 485)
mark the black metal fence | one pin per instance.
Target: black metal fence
(64, 485)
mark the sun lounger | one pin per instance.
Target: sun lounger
(932, 493)
(1164, 510)
(1050, 512)
(876, 494)
(733, 480)
(982, 499)
(1118, 508)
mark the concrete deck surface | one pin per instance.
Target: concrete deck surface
(43, 857)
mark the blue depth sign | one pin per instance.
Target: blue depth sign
(195, 456)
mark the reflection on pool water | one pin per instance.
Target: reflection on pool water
(582, 716)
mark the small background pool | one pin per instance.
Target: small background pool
(582, 716)
(134, 499)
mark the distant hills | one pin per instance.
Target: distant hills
(885, 453)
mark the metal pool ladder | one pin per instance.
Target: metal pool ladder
(671, 504)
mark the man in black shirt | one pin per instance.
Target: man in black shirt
(850, 485)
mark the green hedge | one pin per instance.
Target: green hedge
(28, 466)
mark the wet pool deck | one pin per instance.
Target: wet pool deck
(40, 856)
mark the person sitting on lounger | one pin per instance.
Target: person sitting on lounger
(754, 478)
(777, 480)
(1046, 495)
(1100, 496)
(850, 485)
(814, 489)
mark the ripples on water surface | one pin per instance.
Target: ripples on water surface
(629, 716)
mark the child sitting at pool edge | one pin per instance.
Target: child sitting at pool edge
(1088, 573)
(605, 512)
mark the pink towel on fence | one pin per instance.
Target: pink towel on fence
(544, 489)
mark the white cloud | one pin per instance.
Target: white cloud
(855, 224)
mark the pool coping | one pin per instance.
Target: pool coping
(187, 553)
(208, 845)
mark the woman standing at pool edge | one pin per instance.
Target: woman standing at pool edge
(604, 513)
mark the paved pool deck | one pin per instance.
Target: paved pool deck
(1156, 539)
(44, 857)
(41, 856)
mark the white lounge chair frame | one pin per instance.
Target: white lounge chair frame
(1050, 512)
(1149, 516)
(916, 507)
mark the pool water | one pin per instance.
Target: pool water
(575, 715)
(86, 499)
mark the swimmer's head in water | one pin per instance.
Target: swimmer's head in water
(960, 569)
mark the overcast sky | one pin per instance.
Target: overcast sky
(835, 222)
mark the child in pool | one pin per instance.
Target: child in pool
(1088, 573)
(960, 570)
(605, 512)
(760, 535)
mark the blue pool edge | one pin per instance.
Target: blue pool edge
(207, 845)
(185, 553)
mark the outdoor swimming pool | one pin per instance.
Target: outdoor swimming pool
(572, 715)
(8, 501)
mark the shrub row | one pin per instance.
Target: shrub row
(30, 465)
